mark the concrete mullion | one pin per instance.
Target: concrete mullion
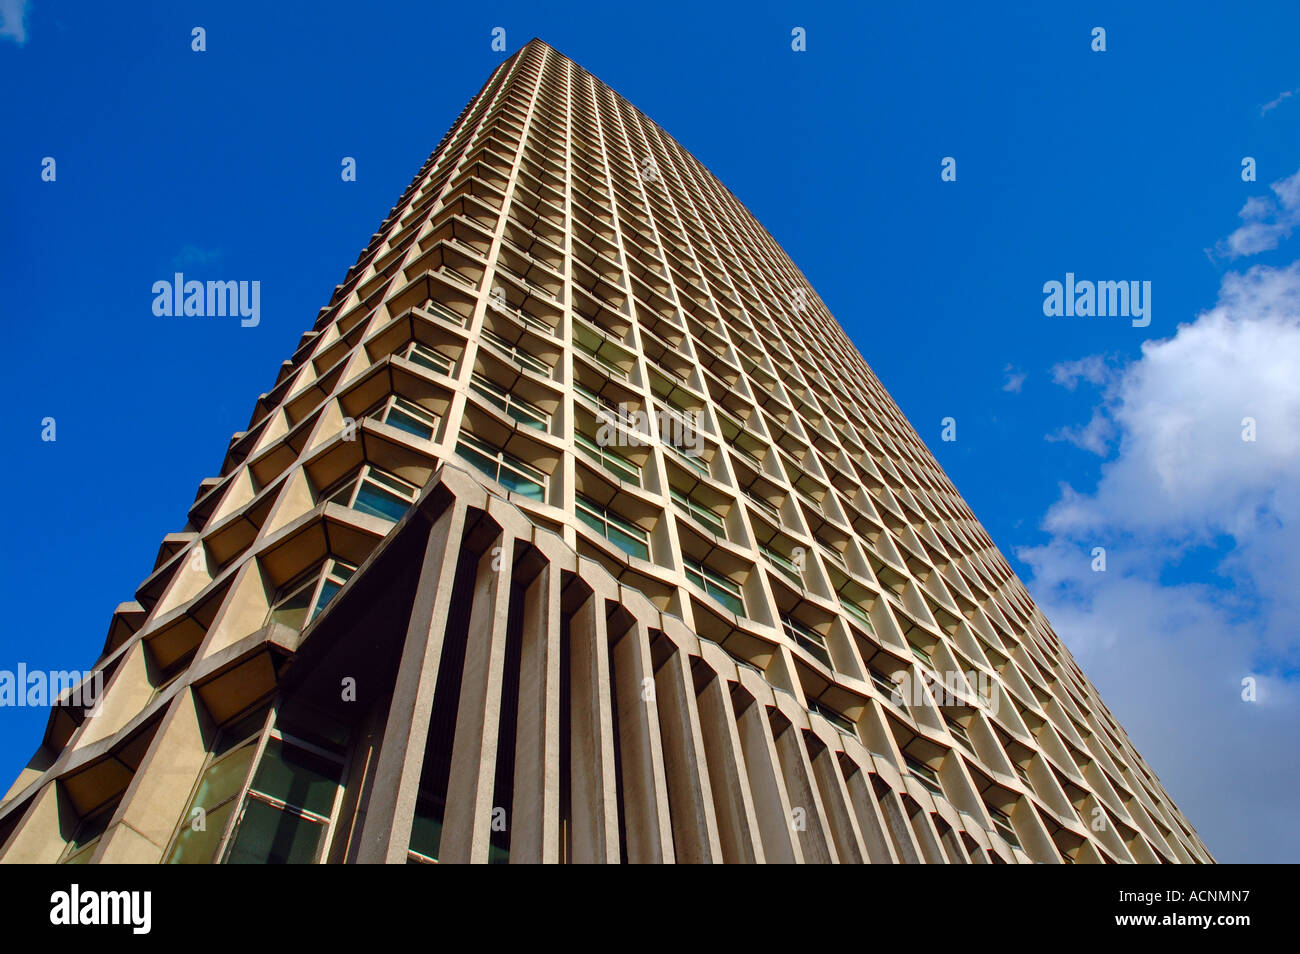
(593, 816)
(467, 821)
(390, 809)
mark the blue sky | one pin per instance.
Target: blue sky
(1071, 432)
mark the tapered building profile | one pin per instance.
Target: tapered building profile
(576, 530)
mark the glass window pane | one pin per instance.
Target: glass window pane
(629, 543)
(520, 484)
(224, 778)
(592, 520)
(528, 415)
(269, 836)
(489, 394)
(380, 503)
(327, 593)
(484, 463)
(403, 421)
(730, 601)
(426, 830)
(293, 610)
(433, 360)
(200, 847)
(296, 776)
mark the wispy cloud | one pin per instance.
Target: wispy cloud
(1014, 379)
(13, 20)
(1094, 369)
(1274, 104)
(1267, 222)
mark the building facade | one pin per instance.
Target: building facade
(576, 530)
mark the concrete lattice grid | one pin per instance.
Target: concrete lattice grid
(439, 606)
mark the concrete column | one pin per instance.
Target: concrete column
(738, 832)
(695, 825)
(870, 821)
(813, 833)
(645, 791)
(535, 815)
(771, 803)
(467, 821)
(909, 852)
(390, 810)
(849, 844)
(593, 808)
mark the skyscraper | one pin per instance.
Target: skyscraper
(577, 530)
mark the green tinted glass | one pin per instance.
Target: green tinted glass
(199, 847)
(298, 777)
(270, 836)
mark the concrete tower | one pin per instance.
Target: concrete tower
(577, 530)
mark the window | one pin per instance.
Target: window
(589, 342)
(832, 554)
(717, 586)
(702, 513)
(807, 498)
(611, 460)
(843, 723)
(763, 505)
(748, 455)
(516, 354)
(286, 814)
(504, 468)
(927, 776)
(596, 400)
(807, 637)
(442, 311)
(781, 563)
(408, 416)
(310, 595)
(921, 655)
(690, 460)
(216, 794)
(627, 536)
(886, 685)
(858, 613)
(426, 834)
(527, 413)
(959, 733)
(377, 493)
(459, 276)
(1024, 775)
(688, 419)
(530, 320)
(1002, 824)
(429, 358)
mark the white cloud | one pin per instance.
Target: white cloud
(1266, 222)
(1183, 464)
(1095, 437)
(1169, 662)
(1015, 379)
(1169, 658)
(13, 16)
